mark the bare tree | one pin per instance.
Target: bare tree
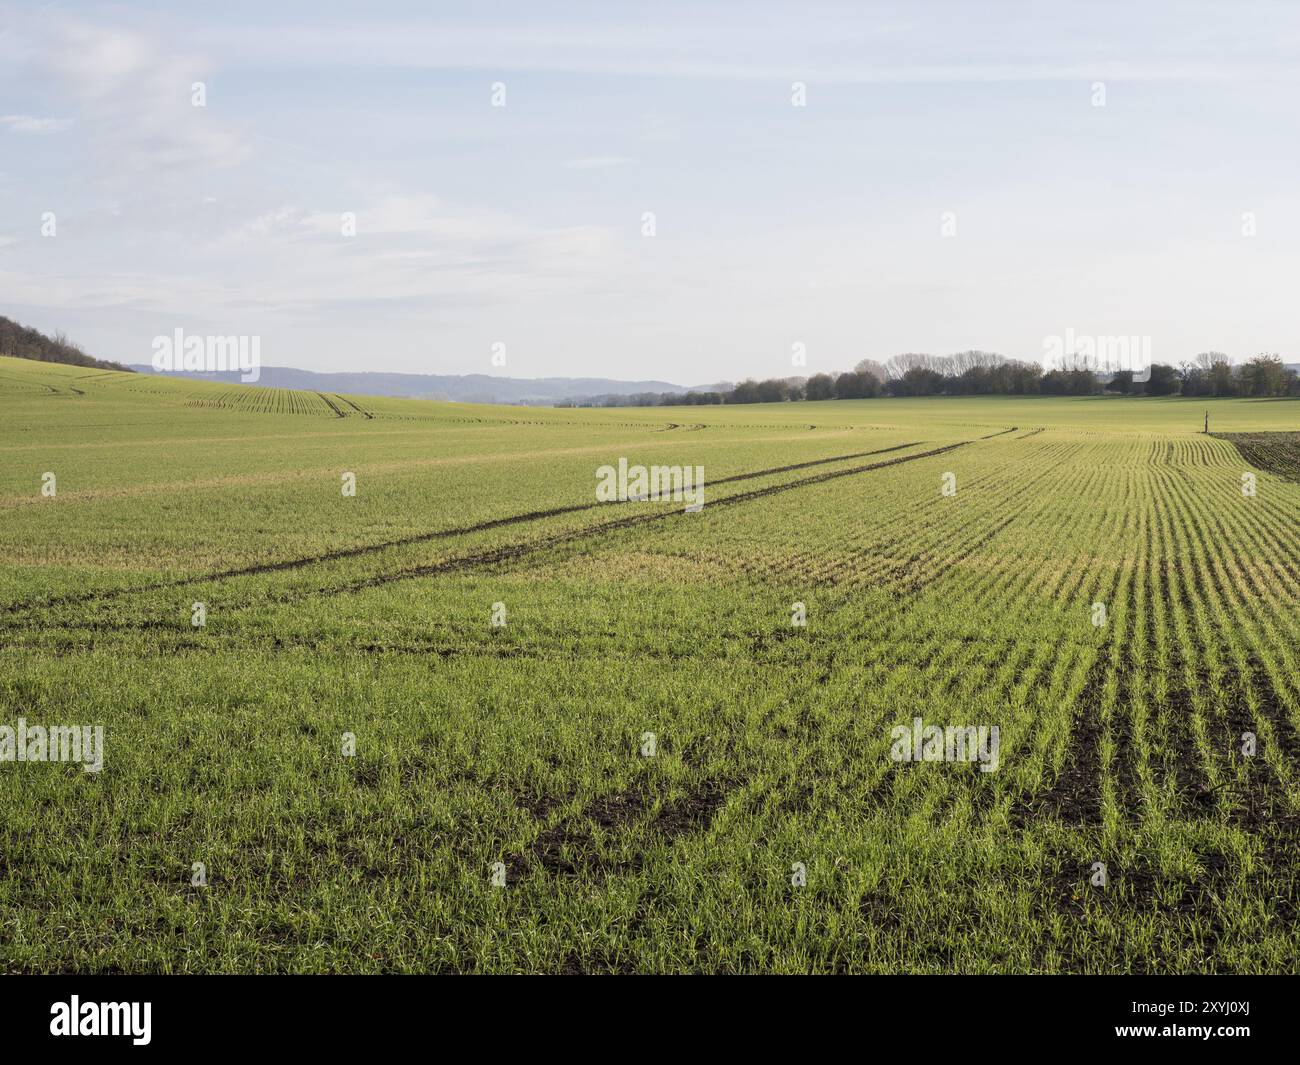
(871, 366)
(900, 364)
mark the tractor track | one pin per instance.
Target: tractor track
(360, 410)
(406, 541)
(338, 411)
(513, 551)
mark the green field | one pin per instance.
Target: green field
(486, 751)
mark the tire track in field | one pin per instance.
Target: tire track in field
(407, 541)
(522, 549)
(1139, 887)
(962, 545)
(37, 384)
(570, 847)
(338, 411)
(360, 410)
(557, 846)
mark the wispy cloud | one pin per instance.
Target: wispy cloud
(131, 95)
(597, 162)
(411, 250)
(64, 290)
(792, 45)
(31, 124)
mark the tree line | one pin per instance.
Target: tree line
(981, 373)
(20, 342)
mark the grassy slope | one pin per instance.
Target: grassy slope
(520, 744)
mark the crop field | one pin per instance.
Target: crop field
(470, 718)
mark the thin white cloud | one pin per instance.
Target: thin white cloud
(87, 290)
(131, 95)
(798, 47)
(31, 124)
(597, 162)
(411, 250)
(422, 219)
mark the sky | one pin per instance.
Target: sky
(651, 202)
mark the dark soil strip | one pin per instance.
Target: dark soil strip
(1075, 796)
(1277, 453)
(1262, 795)
(1264, 799)
(1193, 664)
(405, 541)
(691, 813)
(1002, 432)
(1022, 812)
(1265, 803)
(566, 848)
(1130, 675)
(1068, 890)
(1273, 704)
(571, 847)
(1177, 742)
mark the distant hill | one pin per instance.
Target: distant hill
(21, 342)
(462, 388)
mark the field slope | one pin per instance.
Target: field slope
(667, 774)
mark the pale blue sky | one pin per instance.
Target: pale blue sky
(775, 224)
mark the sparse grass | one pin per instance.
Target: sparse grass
(520, 745)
